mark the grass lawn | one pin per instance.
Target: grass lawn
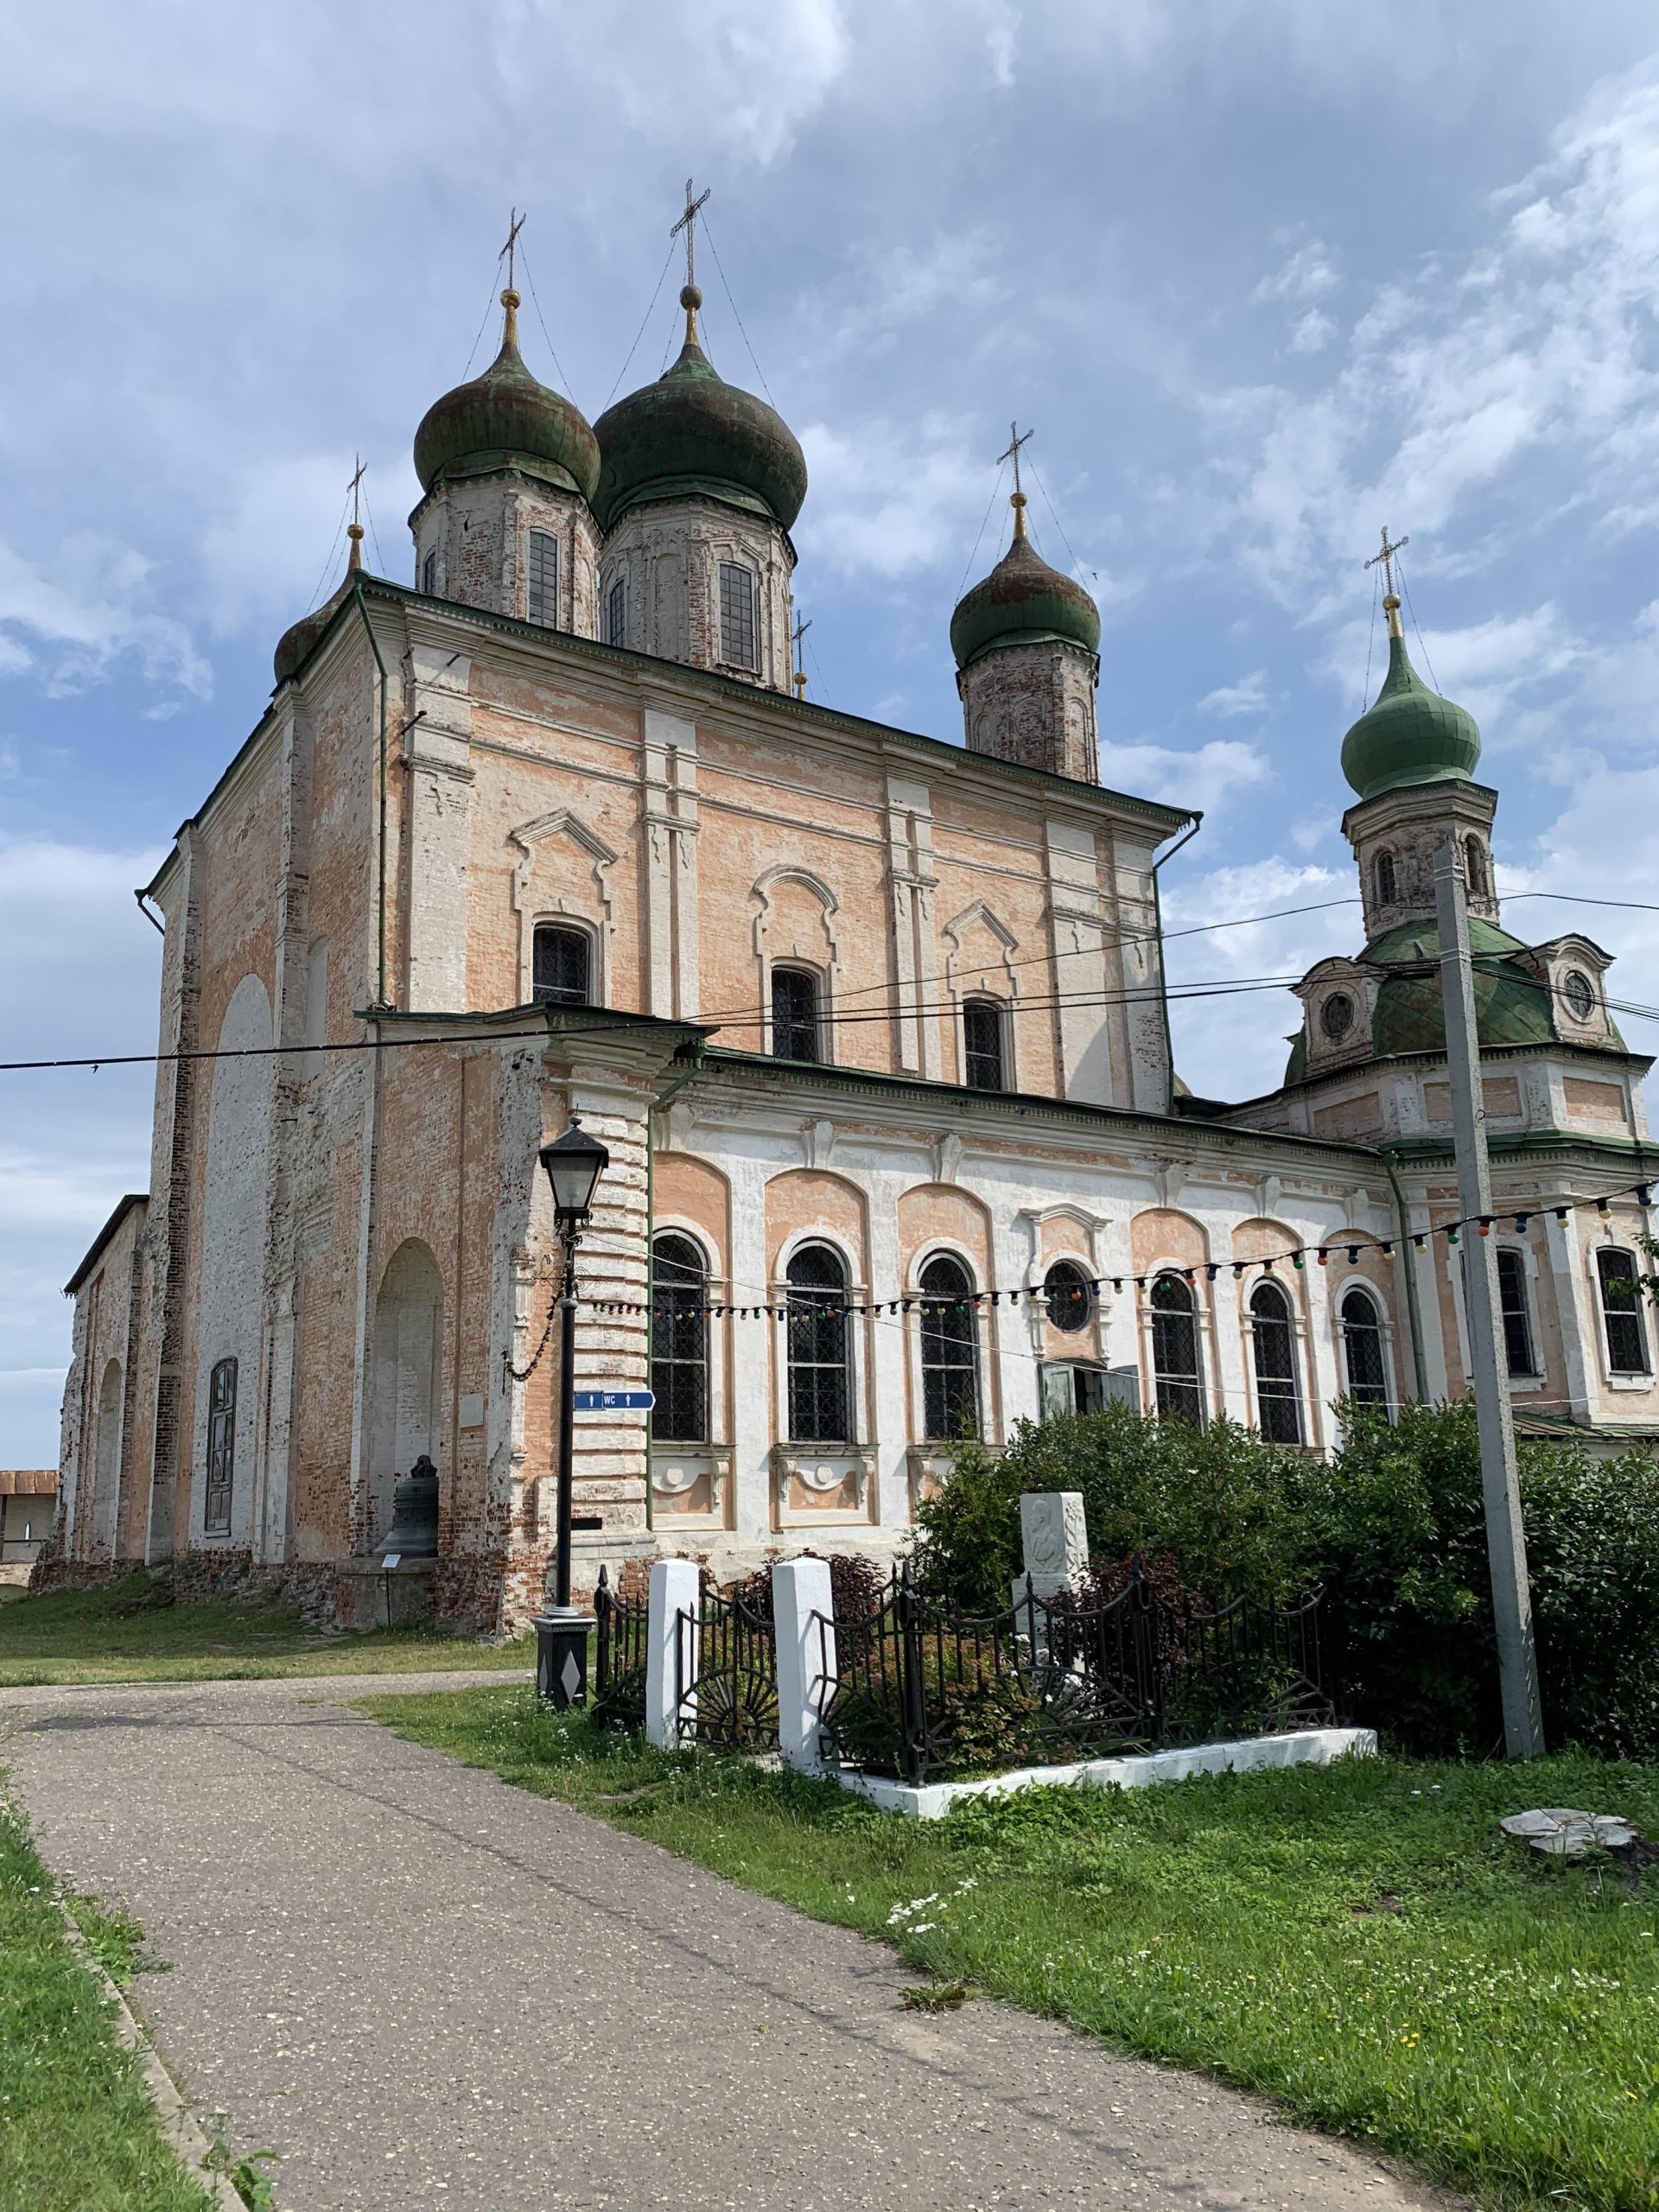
(1357, 1941)
(78, 2132)
(130, 1631)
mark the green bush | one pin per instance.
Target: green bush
(1393, 1524)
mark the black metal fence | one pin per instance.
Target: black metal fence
(726, 1682)
(916, 1690)
(619, 1657)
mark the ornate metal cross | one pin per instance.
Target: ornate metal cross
(1386, 557)
(687, 223)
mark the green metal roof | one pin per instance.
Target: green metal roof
(1023, 602)
(691, 433)
(1409, 734)
(506, 419)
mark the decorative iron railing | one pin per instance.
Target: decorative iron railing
(725, 1685)
(917, 1690)
(618, 1694)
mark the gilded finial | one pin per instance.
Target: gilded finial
(509, 300)
(1017, 498)
(691, 300)
(354, 531)
(691, 297)
(800, 683)
(354, 528)
(1018, 503)
(1385, 560)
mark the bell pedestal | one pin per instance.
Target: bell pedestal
(562, 1635)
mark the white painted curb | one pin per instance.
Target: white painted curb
(1300, 1747)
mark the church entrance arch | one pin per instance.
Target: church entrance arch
(408, 1361)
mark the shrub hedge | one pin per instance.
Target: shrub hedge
(1392, 1524)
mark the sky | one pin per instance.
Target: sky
(1262, 276)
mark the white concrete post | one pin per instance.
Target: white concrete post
(1056, 1540)
(676, 1588)
(806, 1656)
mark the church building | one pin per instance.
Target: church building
(875, 1029)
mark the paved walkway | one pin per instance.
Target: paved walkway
(426, 1988)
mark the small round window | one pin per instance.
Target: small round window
(1071, 1301)
(1337, 1016)
(1581, 994)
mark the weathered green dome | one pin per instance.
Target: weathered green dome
(296, 646)
(1511, 1006)
(692, 432)
(506, 419)
(1409, 734)
(1022, 602)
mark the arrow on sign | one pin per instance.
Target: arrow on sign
(614, 1401)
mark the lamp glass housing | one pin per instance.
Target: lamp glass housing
(574, 1163)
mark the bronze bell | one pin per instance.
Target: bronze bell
(414, 1531)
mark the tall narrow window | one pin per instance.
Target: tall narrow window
(950, 1350)
(820, 1391)
(1477, 868)
(736, 614)
(794, 1014)
(542, 576)
(1278, 1406)
(1070, 1302)
(679, 1342)
(1175, 1349)
(1362, 1349)
(1385, 886)
(430, 576)
(616, 613)
(221, 1450)
(1621, 1313)
(562, 965)
(981, 1046)
(1512, 1304)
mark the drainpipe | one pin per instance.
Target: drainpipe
(381, 1000)
(1414, 1320)
(656, 1107)
(1197, 821)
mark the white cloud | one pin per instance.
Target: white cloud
(885, 500)
(1309, 274)
(88, 606)
(1202, 777)
(1311, 331)
(1248, 697)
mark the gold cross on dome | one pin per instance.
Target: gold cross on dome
(1016, 439)
(1386, 557)
(515, 223)
(687, 223)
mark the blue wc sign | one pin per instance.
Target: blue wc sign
(614, 1401)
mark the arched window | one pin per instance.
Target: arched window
(1385, 883)
(1512, 1305)
(1175, 1369)
(562, 963)
(679, 1341)
(1621, 1311)
(430, 576)
(1477, 867)
(820, 1385)
(221, 1450)
(541, 579)
(794, 1014)
(1070, 1300)
(1361, 1348)
(616, 613)
(1278, 1405)
(981, 1046)
(950, 1350)
(737, 614)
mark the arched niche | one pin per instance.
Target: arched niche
(407, 1375)
(106, 1460)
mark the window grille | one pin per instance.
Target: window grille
(430, 576)
(820, 1386)
(1385, 883)
(616, 613)
(1070, 1300)
(950, 1350)
(1579, 993)
(981, 1038)
(736, 614)
(221, 1450)
(1175, 1349)
(542, 597)
(794, 1014)
(1277, 1407)
(1512, 1305)
(1621, 1311)
(1362, 1346)
(679, 1342)
(562, 962)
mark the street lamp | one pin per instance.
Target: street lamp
(574, 1163)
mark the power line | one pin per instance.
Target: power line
(489, 304)
(641, 332)
(542, 319)
(989, 504)
(708, 233)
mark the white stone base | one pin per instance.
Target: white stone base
(1300, 1747)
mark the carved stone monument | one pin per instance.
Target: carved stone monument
(1056, 1540)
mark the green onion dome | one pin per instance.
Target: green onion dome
(1409, 734)
(692, 432)
(1022, 602)
(296, 646)
(506, 419)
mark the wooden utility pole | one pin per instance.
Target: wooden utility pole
(1506, 1538)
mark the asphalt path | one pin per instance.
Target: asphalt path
(423, 1988)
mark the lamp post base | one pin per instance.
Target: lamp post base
(561, 1655)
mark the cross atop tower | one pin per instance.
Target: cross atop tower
(1017, 499)
(515, 223)
(687, 223)
(796, 635)
(1386, 557)
(354, 528)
